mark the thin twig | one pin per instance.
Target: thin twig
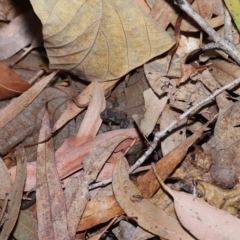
(162, 133)
(220, 43)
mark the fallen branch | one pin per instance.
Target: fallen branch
(220, 43)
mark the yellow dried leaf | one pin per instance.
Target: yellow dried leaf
(98, 39)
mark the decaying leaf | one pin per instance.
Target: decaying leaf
(147, 215)
(51, 208)
(16, 196)
(203, 220)
(80, 37)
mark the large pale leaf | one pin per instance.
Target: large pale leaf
(98, 39)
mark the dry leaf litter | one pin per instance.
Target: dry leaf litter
(94, 92)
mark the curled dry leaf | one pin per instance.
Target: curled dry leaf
(83, 40)
(11, 84)
(203, 220)
(147, 215)
(51, 208)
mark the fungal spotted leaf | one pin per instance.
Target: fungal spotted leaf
(99, 39)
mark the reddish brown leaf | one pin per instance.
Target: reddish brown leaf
(11, 84)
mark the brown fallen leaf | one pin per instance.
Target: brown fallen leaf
(18, 34)
(76, 192)
(99, 210)
(50, 202)
(147, 215)
(83, 40)
(16, 196)
(203, 220)
(148, 183)
(11, 84)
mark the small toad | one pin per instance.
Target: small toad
(114, 117)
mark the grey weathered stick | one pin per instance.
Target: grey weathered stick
(220, 43)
